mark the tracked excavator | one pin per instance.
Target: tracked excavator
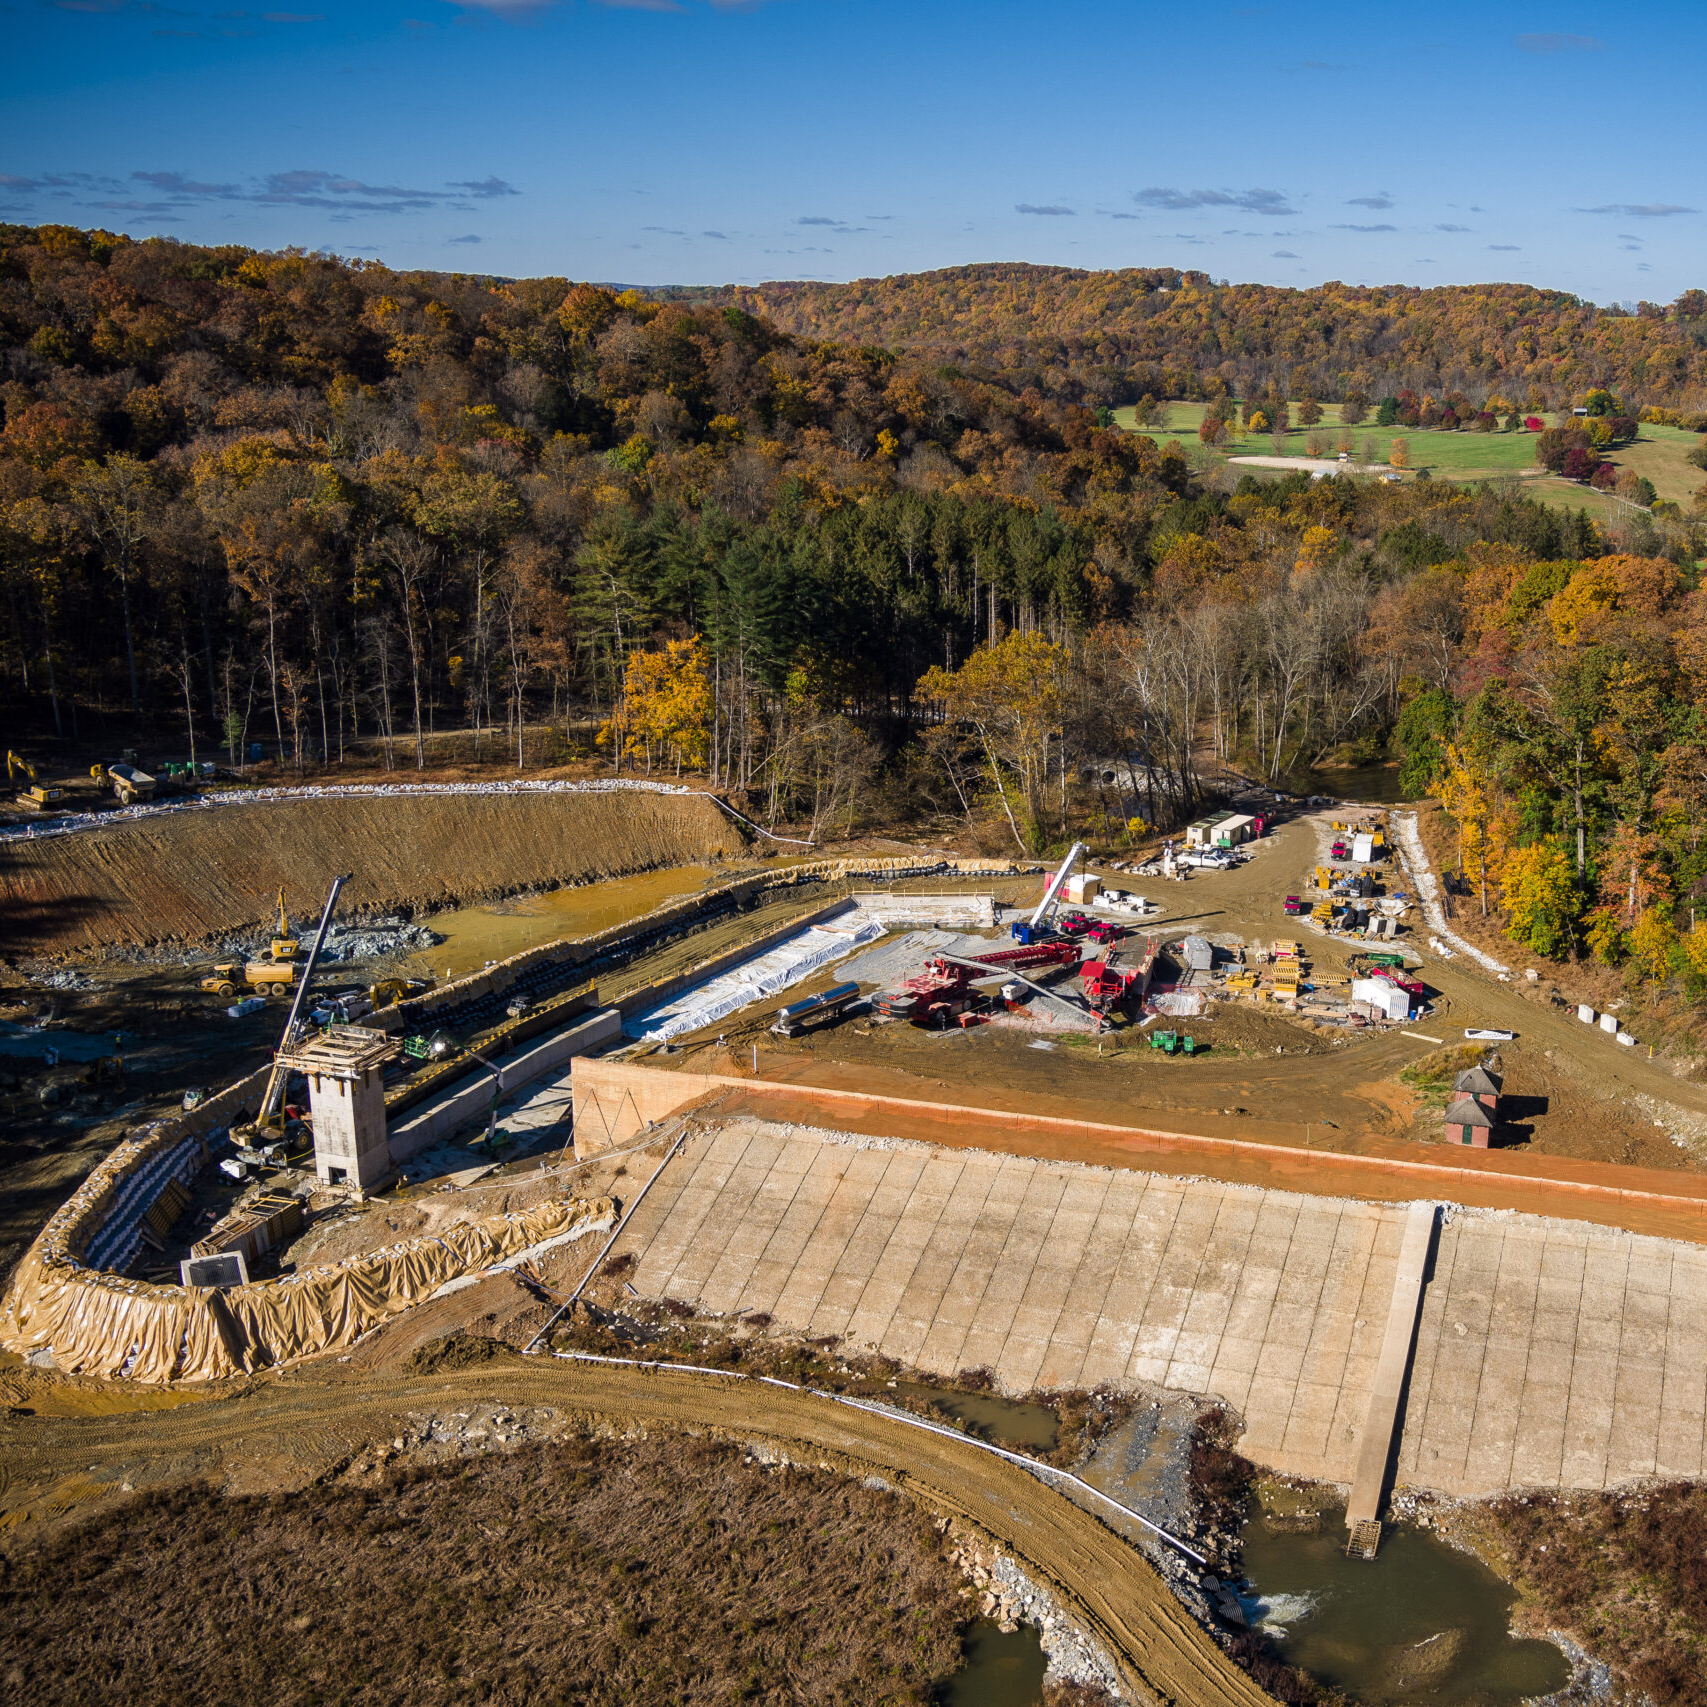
(34, 792)
(285, 946)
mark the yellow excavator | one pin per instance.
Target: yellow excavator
(34, 793)
(285, 946)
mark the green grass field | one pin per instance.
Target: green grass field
(1659, 453)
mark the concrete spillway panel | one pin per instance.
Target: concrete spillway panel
(1375, 1446)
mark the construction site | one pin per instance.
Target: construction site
(1018, 1186)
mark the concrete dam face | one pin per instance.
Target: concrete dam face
(1548, 1353)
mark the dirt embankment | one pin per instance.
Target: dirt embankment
(188, 877)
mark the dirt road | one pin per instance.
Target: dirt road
(288, 1431)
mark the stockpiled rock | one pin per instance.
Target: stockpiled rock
(187, 877)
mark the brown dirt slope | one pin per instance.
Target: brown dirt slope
(294, 1430)
(189, 876)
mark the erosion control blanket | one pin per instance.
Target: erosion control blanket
(94, 1323)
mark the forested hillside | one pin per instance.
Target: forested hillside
(1109, 337)
(283, 497)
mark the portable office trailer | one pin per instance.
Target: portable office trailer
(1201, 833)
(1234, 831)
(1389, 998)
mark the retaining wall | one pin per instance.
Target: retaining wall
(409, 1137)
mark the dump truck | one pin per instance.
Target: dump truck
(129, 782)
(266, 976)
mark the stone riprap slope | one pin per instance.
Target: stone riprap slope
(183, 878)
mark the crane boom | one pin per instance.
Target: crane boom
(1056, 884)
(280, 1074)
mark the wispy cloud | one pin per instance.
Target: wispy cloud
(1251, 201)
(830, 223)
(329, 191)
(230, 24)
(1639, 210)
(1053, 209)
(175, 183)
(485, 187)
(1552, 42)
(469, 237)
(1363, 228)
(1503, 248)
(518, 9)
(1283, 255)
(1453, 228)
(1376, 203)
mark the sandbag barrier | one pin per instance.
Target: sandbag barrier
(95, 1323)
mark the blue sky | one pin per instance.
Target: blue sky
(691, 141)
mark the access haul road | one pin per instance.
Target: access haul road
(295, 1429)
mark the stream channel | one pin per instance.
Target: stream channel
(1422, 1623)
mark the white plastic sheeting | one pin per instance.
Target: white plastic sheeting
(766, 974)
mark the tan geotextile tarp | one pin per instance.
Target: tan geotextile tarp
(96, 1323)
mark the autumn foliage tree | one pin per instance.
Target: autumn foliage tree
(1011, 696)
(665, 709)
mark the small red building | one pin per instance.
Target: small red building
(1481, 1085)
(1468, 1122)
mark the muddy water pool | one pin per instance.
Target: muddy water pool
(1378, 782)
(1001, 1669)
(1009, 1422)
(475, 935)
(1422, 1623)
